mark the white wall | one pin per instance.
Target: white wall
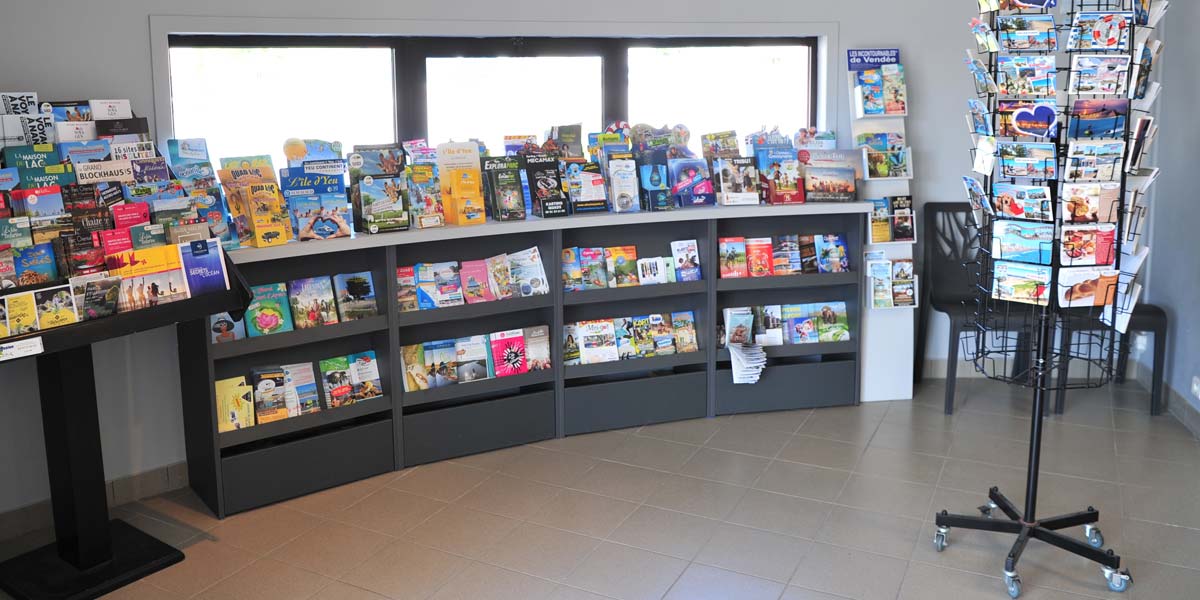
(102, 50)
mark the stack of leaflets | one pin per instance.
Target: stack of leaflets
(441, 363)
(606, 340)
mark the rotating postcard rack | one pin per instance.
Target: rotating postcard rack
(1056, 223)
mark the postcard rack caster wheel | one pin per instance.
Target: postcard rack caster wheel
(988, 510)
(1118, 581)
(939, 538)
(1095, 539)
(1012, 582)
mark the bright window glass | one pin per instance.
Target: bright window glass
(248, 101)
(719, 88)
(491, 97)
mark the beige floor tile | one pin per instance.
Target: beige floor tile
(344, 591)
(910, 415)
(697, 496)
(138, 590)
(849, 573)
(1081, 463)
(328, 502)
(1177, 506)
(445, 481)
(844, 426)
(406, 571)
(817, 483)
(541, 551)
(694, 431)
(796, 593)
(652, 453)
(785, 421)
(462, 531)
(331, 548)
(1153, 581)
(779, 513)
(898, 464)
(753, 552)
(700, 582)
(748, 440)
(870, 531)
(666, 532)
(569, 593)
(726, 467)
(583, 513)
(969, 423)
(627, 573)
(1091, 414)
(205, 563)
(263, 530)
(597, 445)
(620, 481)
(1161, 543)
(390, 511)
(1158, 473)
(821, 452)
(509, 496)
(978, 477)
(492, 461)
(480, 581)
(992, 450)
(549, 466)
(887, 496)
(900, 437)
(267, 579)
(926, 582)
(182, 508)
(1176, 449)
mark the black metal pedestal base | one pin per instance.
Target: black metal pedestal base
(43, 575)
(1045, 530)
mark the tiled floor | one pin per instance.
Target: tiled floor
(808, 505)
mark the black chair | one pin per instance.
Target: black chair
(1146, 318)
(947, 285)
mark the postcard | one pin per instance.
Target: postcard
(1032, 202)
(1027, 118)
(1098, 118)
(1035, 160)
(1023, 241)
(1020, 33)
(1095, 160)
(1096, 30)
(1029, 76)
(1099, 74)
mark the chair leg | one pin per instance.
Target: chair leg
(1021, 356)
(952, 364)
(1122, 360)
(919, 349)
(1064, 368)
(1160, 363)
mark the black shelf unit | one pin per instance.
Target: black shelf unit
(411, 428)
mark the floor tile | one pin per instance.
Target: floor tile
(267, 579)
(821, 452)
(509, 496)
(1155, 580)
(796, 593)
(617, 480)
(627, 573)
(1176, 449)
(138, 590)
(596, 445)
(779, 513)
(583, 513)
(344, 591)
(992, 450)
(726, 467)
(1161, 543)
(910, 415)
(694, 431)
(462, 531)
(898, 464)
(406, 571)
(327, 502)
(849, 573)
(652, 453)
(753, 552)
(970, 423)
(845, 426)
(666, 532)
(1176, 506)
(481, 581)
(870, 531)
(1158, 473)
(391, 512)
(182, 508)
(548, 466)
(887, 496)
(697, 496)
(970, 476)
(492, 461)
(900, 437)
(206, 562)
(748, 440)
(331, 548)
(569, 593)
(445, 481)
(263, 530)
(700, 582)
(541, 551)
(785, 421)
(807, 481)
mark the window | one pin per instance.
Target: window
(718, 88)
(244, 94)
(248, 101)
(489, 98)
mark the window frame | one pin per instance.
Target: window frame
(409, 54)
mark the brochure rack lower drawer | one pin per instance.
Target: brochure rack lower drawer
(789, 387)
(634, 402)
(268, 475)
(473, 428)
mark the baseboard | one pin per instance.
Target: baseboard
(1178, 405)
(37, 516)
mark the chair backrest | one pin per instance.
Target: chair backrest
(951, 242)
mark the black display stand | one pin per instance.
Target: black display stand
(93, 555)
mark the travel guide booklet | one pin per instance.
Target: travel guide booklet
(833, 324)
(438, 285)
(1020, 282)
(733, 257)
(476, 286)
(597, 342)
(440, 367)
(473, 358)
(355, 294)
(831, 253)
(1023, 241)
(684, 325)
(269, 312)
(312, 302)
(528, 273)
(300, 389)
(508, 352)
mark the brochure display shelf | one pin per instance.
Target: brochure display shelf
(93, 555)
(1036, 307)
(238, 471)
